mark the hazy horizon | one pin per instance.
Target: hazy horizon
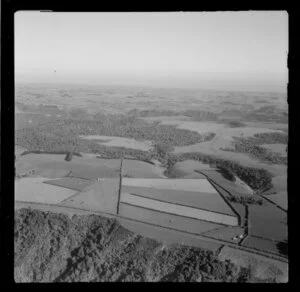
(217, 50)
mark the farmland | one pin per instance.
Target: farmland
(119, 142)
(163, 147)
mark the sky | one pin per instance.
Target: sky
(173, 49)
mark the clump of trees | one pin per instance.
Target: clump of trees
(268, 114)
(270, 138)
(69, 156)
(252, 145)
(245, 200)
(195, 115)
(257, 179)
(51, 247)
(62, 133)
(236, 124)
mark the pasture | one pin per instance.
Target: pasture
(200, 127)
(112, 141)
(262, 244)
(230, 234)
(279, 199)
(227, 218)
(198, 199)
(141, 169)
(34, 189)
(268, 222)
(70, 183)
(172, 221)
(101, 196)
(195, 185)
(54, 166)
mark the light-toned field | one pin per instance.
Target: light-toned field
(178, 209)
(101, 196)
(83, 167)
(196, 199)
(76, 184)
(195, 185)
(120, 142)
(33, 189)
(278, 148)
(200, 127)
(188, 166)
(236, 188)
(166, 220)
(224, 137)
(52, 173)
(141, 169)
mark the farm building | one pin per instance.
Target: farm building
(192, 205)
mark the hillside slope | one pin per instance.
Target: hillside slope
(52, 247)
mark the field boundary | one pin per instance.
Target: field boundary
(178, 204)
(212, 182)
(273, 203)
(49, 152)
(242, 248)
(65, 187)
(193, 218)
(120, 186)
(205, 238)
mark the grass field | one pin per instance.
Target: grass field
(207, 201)
(262, 244)
(179, 210)
(280, 199)
(83, 167)
(268, 222)
(120, 142)
(35, 190)
(76, 184)
(166, 220)
(200, 127)
(195, 185)
(101, 196)
(230, 234)
(141, 169)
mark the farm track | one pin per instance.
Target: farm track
(67, 209)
